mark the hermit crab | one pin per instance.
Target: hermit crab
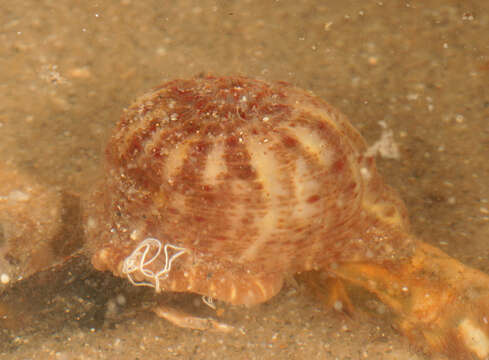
(225, 186)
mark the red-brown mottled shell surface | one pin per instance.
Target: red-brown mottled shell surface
(254, 180)
(222, 186)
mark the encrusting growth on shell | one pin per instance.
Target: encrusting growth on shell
(223, 186)
(147, 252)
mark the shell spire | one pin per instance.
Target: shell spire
(240, 169)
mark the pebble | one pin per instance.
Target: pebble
(80, 73)
(30, 216)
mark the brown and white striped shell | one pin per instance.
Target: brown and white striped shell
(224, 185)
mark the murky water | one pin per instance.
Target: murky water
(418, 68)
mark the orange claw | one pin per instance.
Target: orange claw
(182, 319)
(439, 301)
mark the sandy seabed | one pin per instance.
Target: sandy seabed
(418, 68)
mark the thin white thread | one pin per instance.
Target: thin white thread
(209, 302)
(138, 261)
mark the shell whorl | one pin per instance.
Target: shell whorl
(240, 170)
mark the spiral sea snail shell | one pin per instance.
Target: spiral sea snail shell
(223, 186)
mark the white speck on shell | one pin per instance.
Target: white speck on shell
(18, 195)
(4, 279)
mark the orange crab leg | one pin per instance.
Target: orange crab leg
(439, 300)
